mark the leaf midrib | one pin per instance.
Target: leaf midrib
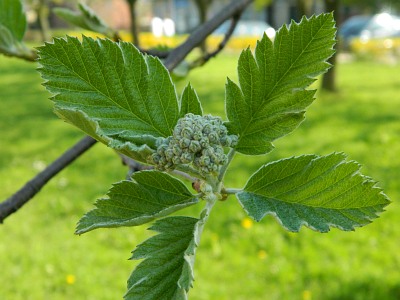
(164, 109)
(144, 214)
(312, 206)
(244, 132)
(301, 202)
(100, 92)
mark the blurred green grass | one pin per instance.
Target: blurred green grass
(237, 259)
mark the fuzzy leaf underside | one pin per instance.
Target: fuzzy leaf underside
(151, 194)
(166, 271)
(126, 96)
(86, 19)
(271, 99)
(136, 147)
(316, 191)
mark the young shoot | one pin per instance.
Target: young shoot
(128, 101)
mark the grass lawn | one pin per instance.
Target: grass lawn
(40, 258)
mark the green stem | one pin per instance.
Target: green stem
(184, 175)
(222, 172)
(203, 218)
(230, 191)
(189, 170)
(210, 202)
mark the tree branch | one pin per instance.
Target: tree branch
(154, 52)
(207, 56)
(203, 31)
(32, 187)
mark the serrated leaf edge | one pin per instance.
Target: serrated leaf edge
(365, 178)
(139, 220)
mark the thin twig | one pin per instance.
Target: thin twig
(32, 187)
(133, 165)
(155, 52)
(203, 31)
(205, 58)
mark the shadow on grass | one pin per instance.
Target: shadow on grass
(367, 290)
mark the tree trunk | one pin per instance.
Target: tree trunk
(329, 79)
(134, 28)
(300, 7)
(305, 7)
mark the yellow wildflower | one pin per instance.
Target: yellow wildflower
(307, 295)
(247, 223)
(70, 279)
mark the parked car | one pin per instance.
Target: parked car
(351, 29)
(363, 29)
(248, 28)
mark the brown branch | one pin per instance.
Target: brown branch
(207, 56)
(32, 187)
(154, 52)
(203, 31)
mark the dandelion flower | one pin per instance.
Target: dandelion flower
(70, 279)
(247, 223)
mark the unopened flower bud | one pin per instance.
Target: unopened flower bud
(169, 154)
(184, 143)
(213, 137)
(187, 133)
(186, 157)
(194, 146)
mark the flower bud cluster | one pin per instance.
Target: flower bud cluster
(196, 140)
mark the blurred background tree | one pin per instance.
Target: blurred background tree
(134, 26)
(40, 11)
(342, 10)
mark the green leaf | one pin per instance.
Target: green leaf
(272, 96)
(314, 191)
(7, 40)
(13, 18)
(86, 19)
(124, 99)
(167, 269)
(151, 194)
(190, 102)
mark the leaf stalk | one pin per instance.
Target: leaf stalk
(222, 172)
